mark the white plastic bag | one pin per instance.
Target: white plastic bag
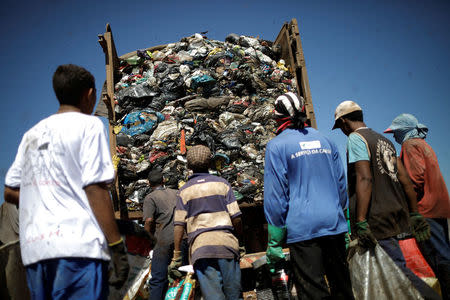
(375, 276)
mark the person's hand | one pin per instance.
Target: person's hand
(366, 238)
(274, 253)
(120, 263)
(242, 252)
(173, 272)
(347, 240)
(420, 227)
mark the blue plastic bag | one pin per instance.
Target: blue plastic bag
(140, 122)
(203, 80)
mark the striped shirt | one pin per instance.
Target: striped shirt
(205, 207)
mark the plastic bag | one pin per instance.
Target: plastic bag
(231, 139)
(184, 70)
(375, 276)
(261, 114)
(134, 60)
(135, 92)
(417, 263)
(203, 81)
(263, 58)
(232, 38)
(227, 117)
(141, 121)
(182, 290)
(206, 104)
(136, 285)
(246, 41)
(165, 130)
(414, 259)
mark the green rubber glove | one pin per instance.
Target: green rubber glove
(366, 238)
(274, 253)
(347, 240)
(172, 270)
(420, 227)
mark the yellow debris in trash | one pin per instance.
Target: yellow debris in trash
(115, 160)
(117, 129)
(215, 51)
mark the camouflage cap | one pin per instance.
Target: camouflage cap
(198, 157)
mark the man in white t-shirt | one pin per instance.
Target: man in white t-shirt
(60, 180)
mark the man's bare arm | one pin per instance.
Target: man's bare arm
(12, 195)
(149, 225)
(363, 189)
(237, 224)
(101, 204)
(178, 232)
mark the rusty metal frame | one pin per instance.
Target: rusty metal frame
(106, 41)
(292, 53)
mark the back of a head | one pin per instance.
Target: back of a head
(289, 106)
(198, 158)
(355, 116)
(349, 110)
(405, 127)
(405, 120)
(69, 83)
(155, 177)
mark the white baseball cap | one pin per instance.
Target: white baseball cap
(344, 108)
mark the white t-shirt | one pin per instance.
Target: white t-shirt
(56, 159)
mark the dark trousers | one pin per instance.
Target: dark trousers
(436, 251)
(162, 256)
(313, 259)
(392, 248)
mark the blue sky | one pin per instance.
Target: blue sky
(389, 56)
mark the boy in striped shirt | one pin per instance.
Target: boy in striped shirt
(209, 212)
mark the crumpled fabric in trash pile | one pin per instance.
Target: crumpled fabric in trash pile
(198, 91)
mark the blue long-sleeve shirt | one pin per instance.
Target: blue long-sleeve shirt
(304, 185)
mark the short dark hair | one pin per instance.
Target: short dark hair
(69, 83)
(155, 177)
(355, 116)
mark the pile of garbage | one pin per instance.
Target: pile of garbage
(198, 91)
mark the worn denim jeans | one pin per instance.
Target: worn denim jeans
(162, 255)
(68, 278)
(219, 278)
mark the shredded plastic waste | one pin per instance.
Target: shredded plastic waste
(198, 91)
